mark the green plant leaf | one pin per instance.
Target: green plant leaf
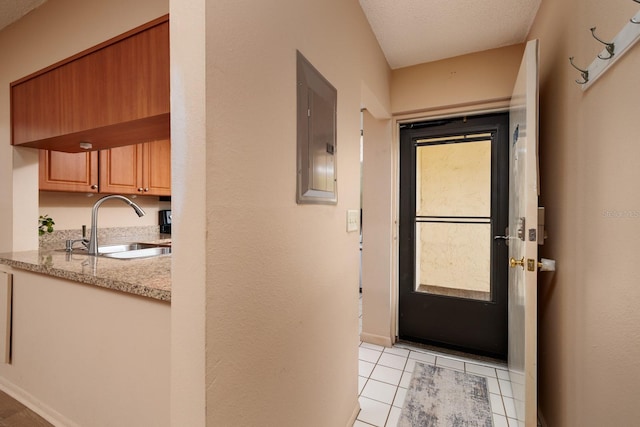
(45, 224)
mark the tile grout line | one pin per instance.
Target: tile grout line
(429, 354)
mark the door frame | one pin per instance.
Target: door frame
(481, 108)
(459, 334)
(383, 328)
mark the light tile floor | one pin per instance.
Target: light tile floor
(384, 375)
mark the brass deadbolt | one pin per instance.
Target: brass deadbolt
(515, 262)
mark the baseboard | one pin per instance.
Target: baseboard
(376, 339)
(354, 416)
(35, 404)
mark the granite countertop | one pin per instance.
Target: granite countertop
(148, 277)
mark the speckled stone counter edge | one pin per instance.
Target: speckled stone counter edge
(118, 285)
(148, 277)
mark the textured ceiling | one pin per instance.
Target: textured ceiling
(416, 31)
(12, 10)
(413, 31)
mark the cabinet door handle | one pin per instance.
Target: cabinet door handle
(146, 189)
(94, 187)
(140, 189)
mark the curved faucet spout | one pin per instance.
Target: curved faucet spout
(93, 238)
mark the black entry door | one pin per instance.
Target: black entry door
(454, 194)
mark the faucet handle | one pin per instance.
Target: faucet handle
(68, 244)
(84, 231)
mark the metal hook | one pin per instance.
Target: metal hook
(633, 21)
(583, 73)
(609, 46)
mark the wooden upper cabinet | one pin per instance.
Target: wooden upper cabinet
(156, 168)
(69, 171)
(121, 169)
(143, 169)
(114, 94)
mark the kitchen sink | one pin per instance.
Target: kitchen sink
(130, 247)
(131, 250)
(146, 252)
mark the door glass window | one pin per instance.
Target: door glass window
(453, 216)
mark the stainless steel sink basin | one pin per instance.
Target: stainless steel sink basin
(139, 253)
(131, 250)
(129, 247)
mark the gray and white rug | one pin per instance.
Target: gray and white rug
(440, 397)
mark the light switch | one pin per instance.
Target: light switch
(353, 220)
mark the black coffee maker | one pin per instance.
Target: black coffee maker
(165, 221)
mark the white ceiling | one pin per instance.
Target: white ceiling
(12, 10)
(411, 32)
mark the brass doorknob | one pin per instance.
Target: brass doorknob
(514, 262)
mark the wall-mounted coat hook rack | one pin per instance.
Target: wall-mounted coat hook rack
(610, 47)
(583, 73)
(612, 52)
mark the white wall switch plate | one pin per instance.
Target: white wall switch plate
(353, 220)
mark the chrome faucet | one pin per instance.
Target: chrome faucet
(93, 238)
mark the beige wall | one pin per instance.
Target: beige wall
(588, 310)
(87, 356)
(189, 265)
(71, 210)
(378, 207)
(461, 84)
(280, 280)
(56, 30)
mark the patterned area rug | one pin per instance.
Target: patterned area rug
(440, 397)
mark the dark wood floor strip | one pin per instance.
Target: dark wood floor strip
(15, 414)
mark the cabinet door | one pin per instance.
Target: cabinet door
(77, 172)
(121, 170)
(112, 94)
(156, 174)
